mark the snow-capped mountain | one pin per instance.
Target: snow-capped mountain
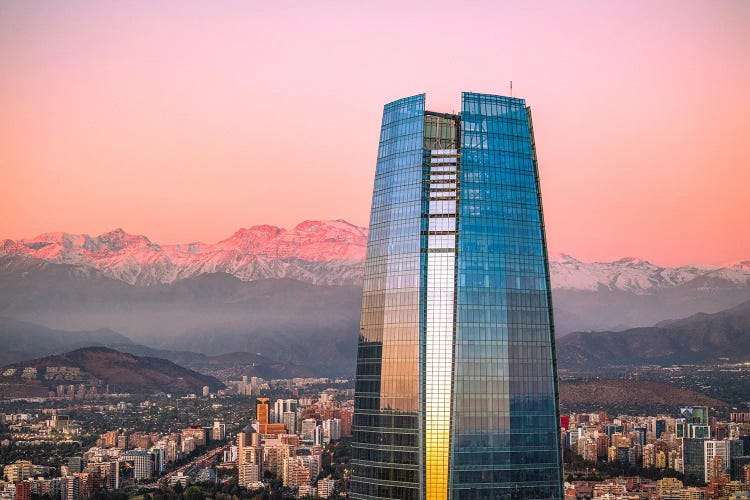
(325, 252)
(318, 252)
(257, 287)
(640, 276)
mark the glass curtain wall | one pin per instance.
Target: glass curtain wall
(505, 439)
(386, 427)
(456, 393)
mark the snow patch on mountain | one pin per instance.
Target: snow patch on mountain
(319, 252)
(326, 252)
(637, 275)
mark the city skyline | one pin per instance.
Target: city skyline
(163, 119)
(418, 250)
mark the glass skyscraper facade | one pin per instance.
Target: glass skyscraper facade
(456, 392)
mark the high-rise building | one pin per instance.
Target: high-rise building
(261, 410)
(317, 436)
(274, 456)
(640, 435)
(738, 466)
(70, 488)
(308, 428)
(331, 429)
(693, 459)
(249, 450)
(649, 456)
(18, 471)
(142, 463)
(289, 419)
(197, 433)
(695, 415)
(745, 477)
(219, 431)
(88, 481)
(282, 406)
(109, 439)
(660, 428)
(611, 429)
(326, 487)
(263, 415)
(23, 490)
(346, 422)
(158, 455)
(456, 393)
(109, 474)
(715, 448)
(250, 465)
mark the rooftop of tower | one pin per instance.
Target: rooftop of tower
(443, 106)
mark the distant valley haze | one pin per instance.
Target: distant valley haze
(294, 295)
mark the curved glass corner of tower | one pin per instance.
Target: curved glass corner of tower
(386, 417)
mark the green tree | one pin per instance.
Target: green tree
(194, 493)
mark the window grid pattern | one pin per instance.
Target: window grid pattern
(505, 441)
(386, 427)
(456, 393)
(440, 314)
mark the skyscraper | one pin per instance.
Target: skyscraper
(456, 393)
(263, 415)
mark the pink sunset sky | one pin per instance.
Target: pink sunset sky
(185, 121)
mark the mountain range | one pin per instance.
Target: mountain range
(318, 252)
(294, 295)
(321, 252)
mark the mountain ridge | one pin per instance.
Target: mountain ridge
(319, 252)
(30, 341)
(25, 340)
(104, 366)
(698, 339)
(84, 271)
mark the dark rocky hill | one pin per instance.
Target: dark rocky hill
(700, 339)
(25, 341)
(231, 365)
(122, 372)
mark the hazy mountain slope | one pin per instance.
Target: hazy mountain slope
(22, 340)
(579, 310)
(124, 372)
(288, 320)
(701, 338)
(632, 292)
(253, 291)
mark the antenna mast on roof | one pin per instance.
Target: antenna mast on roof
(511, 88)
